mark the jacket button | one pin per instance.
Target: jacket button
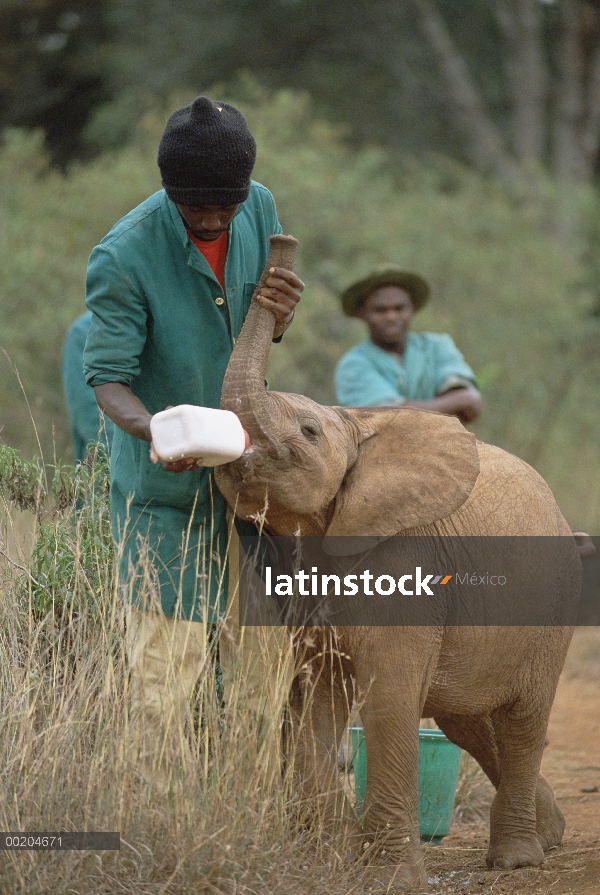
(220, 300)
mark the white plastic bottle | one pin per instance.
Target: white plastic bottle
(215, 436)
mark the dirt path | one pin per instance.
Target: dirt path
(572, 758)
(571, 763)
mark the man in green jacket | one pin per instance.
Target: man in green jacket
(169, 288)
(394, 366)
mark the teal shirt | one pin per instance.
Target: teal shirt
(84, 415)
(367, 375)
(161, 326)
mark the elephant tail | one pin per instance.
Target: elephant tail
(585, 544)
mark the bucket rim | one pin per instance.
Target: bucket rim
(424, 733)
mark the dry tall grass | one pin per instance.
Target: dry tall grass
(226, 825)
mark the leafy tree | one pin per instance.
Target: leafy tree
(551, 63)
(515, 300)
(375, 77)
(508, 86)
(51, 69)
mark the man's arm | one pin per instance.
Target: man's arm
(126, 410)
(280, 295)
(360, 383)
(456, 387)
(465, 403)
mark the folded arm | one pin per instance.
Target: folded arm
(465, 403)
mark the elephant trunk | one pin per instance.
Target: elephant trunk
(243, 389)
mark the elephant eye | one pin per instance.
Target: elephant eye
(310, 430)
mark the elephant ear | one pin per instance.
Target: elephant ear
(413, 468)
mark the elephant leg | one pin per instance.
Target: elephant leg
(520, 734)
(320, 701)
(476, 736)
(394, 695)
(550, 821)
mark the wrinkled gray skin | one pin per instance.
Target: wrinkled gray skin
(324, 471)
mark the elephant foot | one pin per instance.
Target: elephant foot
(336, 829)
(402, 878)
(512, 853)
(394, 866)
(345, 838)
(550, 822)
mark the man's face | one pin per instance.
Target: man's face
(207, 222)
(387, 311)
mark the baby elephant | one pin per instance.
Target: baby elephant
(376, 474)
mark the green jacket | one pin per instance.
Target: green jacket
(84, 415)
(367, 375)
(161, 325)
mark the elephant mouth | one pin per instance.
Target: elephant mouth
(254, 463)
(245, 469)
(241, 470)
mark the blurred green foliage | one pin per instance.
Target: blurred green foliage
(53, 68)
(73, 552)
(517, 301)
(22, 481)
(84, 69)
(49, 224)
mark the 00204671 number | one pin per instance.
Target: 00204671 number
(36, 840)
(65, 841)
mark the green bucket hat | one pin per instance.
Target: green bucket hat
(386, 275)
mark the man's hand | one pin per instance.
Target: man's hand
(186, 464)
(465, 403)
(280, 295)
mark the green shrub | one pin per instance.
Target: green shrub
(73, 554)
(22, 481)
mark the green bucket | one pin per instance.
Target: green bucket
(439, 762)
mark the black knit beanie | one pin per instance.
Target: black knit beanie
(206, 154)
